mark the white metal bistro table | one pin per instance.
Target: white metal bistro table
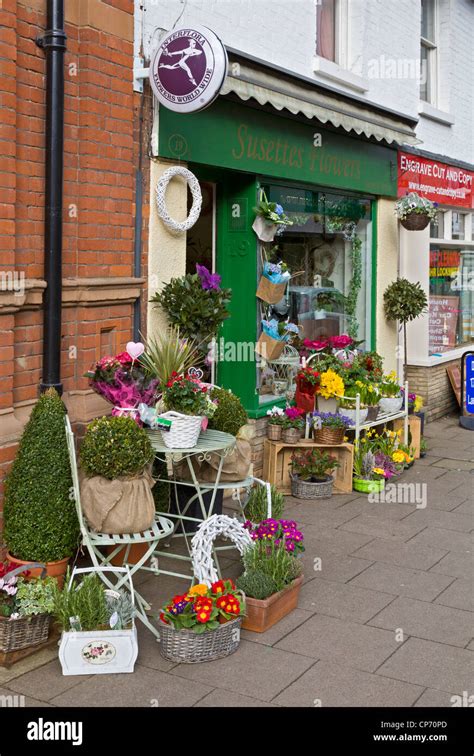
(211, 444)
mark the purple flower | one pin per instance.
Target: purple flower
(208, 280)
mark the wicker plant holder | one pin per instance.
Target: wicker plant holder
(329, 436)
(415, 221)
(184, 432)
(274, 432)
(305, 489)
(373, 412)
(16, 634)
(291, 435)
(187, 647)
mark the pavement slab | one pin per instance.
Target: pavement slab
(231, 700)
(457, 564)
(46, 682)
(415, 556)
(401, 581)
(436, 518)
(342, 600)
(281, 629)
(438, 699)
(459, 595)
(441, 538)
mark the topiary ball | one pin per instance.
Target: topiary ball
(230, 414)
(114, 447)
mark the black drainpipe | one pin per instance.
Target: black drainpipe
(53, 42)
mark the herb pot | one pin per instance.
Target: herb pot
(274, 432)
(311, 489)
(329, 436)
(368, 486)
(291, 435)
(390, 404)
(415, 221)
(261, 614)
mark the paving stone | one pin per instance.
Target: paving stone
(436, 518)
(9, 699)
(324, 514)
(434, 665)
(384, 510)
(46, 682)
(341, 641)
(437, 699)
(149, 651)
(278, 631)
(339, 685)
(334, 540)
(470, 646)
(29, 663)
(459, 595)
(456, 464)
(445, 501)
(450, 540)
(337, 567)
(342, 600)
(455, 563)
(402, 581)
(427, 620)
(380, 527)
(255, 671)
(466, 508)
(228, 699)
(144, 687)
(414, 556)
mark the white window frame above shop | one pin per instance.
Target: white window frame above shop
(430, 45)
(337, 70)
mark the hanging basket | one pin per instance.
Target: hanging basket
(184, 431)
(329, 436)
(188, 647)
(16, 634)
(268, 348)
(264, 229)
(415, 221)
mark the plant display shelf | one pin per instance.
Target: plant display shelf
(277, 457)
(382, 418)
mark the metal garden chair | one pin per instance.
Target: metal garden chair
(94, 542)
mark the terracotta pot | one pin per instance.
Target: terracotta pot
(262, 614)
(136, 552)
(53, 569)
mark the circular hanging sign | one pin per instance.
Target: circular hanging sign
(188, 69)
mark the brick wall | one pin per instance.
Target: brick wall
(100, 160)
(434, 386)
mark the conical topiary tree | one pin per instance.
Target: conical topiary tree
(404, 301)
(40, 521)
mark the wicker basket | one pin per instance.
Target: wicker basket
(415, 221)
(187, 647)
(305, 489)
(291, 435)
(16, 634)
(329, 436)
(184, 431)
(274, 432)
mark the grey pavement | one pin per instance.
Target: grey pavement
(385, 615)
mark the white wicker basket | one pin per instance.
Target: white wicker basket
(184, 431)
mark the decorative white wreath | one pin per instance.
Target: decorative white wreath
(201, 544)
(161, 188)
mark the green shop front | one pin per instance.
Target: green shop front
(328, 184)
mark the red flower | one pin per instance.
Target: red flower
(178, 599)
(203, 616)
(218, 587)
(124, 358)
(229, 604)
(163, 618)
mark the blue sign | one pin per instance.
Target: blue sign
(470, 383)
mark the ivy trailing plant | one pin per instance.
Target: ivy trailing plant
(404, 301)
(349, 230)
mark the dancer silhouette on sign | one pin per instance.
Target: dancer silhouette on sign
(186, 52)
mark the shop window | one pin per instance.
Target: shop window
(326, 33)
(328, 253)
(437, 226)
(458, 225)
(428, 51)
(451, 301)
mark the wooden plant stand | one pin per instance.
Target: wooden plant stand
(414, 424)
(277, 456)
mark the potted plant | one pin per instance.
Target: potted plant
(98, 626)
(256, 506)
(293, 425)
(39, 515)
(415, 212)
(423, 447)
(404, 301)
(273, 282)
(270, 217)
(276, 418)
(329, 428)
(348, 404)
(187, 403)
(275, 334)
(391, 398)
(331, 387)
(202, 624)
(310, 474)
(169, 354)
(307, 384)
(25, 608)
(272, 575)
(370, 397)
(368, 478)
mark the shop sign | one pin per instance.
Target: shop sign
(438, 182)
(444, 263)
(469, 368)
(188, 69)
(443, 321)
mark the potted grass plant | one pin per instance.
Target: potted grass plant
(311, 473)
(272, 575)
(256, 506)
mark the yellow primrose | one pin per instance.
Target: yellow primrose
(378, 470)
(398, 456)
(198, 590)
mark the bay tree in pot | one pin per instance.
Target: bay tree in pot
(40, 521)
(311, 473)
(404, 301)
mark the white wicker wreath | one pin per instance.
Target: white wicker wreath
(161, 188)
(201, 544)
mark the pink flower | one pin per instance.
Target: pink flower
(124, 358)
(340, 342)
(316, 345)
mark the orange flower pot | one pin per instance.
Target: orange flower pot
(263, 614)
(53, 569)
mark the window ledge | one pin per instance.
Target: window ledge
(327, 69)
(453, 354)
(434, 114)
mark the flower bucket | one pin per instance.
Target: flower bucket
(391, 404)
(368, 486)
(270, 292)
(306, 489)
(264, 229)
(184, 431)
(264, 613)
(327, 405)
(268, 348)
(415, 221)
(188, 647)
(291, 435)
(274, 432)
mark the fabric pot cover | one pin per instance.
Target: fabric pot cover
(123, 505)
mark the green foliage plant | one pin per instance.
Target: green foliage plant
(256, 506)
(35, 596)
(273, 561)
(404, 301)
(114, 447)
(40, 520)
(313, 464)
(84, 600)
(169, 353)
(230, 415)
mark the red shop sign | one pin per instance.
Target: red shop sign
(438, 182)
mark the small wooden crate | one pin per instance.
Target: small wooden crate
(277, 457)
(414, 423)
